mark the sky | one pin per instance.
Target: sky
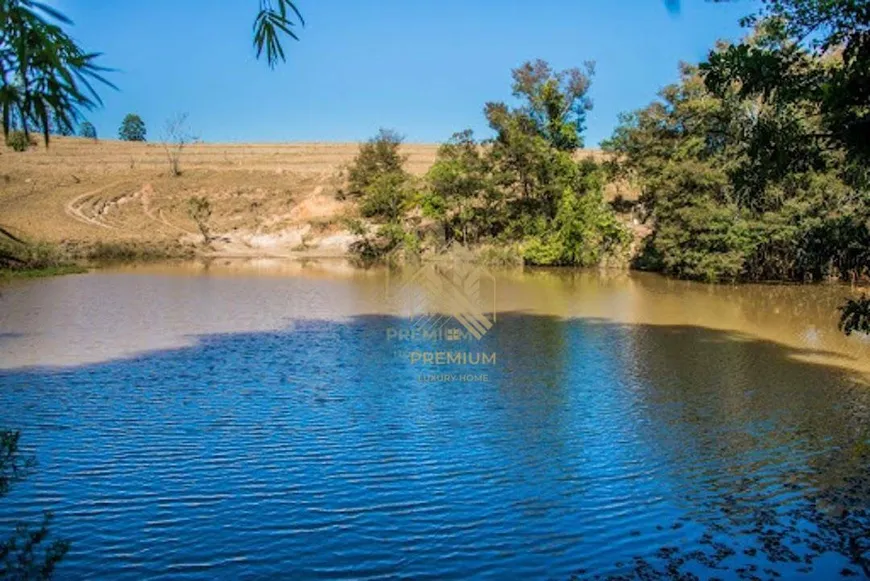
(422, 67)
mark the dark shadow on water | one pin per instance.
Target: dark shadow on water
(757, 462)
(10, 336)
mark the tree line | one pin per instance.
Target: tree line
(522, 194)
(754, 166)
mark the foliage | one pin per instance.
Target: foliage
(273, 18)
(855, 316)
(19, 141)
(25, 555)
(382, 243)
(17, 255)
(126, 251)
(737, 184)
(199, 210)
(461, 197)
(387, 197)
(132, 128)
(377, 157)
(385, 193)
(555, 102)
(522, 189)
(87, 129)
(46, 77)
(812, 52)
(584, 232)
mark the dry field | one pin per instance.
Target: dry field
(267, 200)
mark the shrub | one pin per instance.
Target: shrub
(176, 136)
(386, 197)
(583, 233)
(199, 210)
(18, 141)
(383, 244)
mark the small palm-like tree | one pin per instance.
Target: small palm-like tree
(46, 79)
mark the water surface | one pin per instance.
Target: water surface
(247, 420)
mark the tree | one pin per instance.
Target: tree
(46, 77)
(816, 51)
(743, 173)
(460, 190)
(378, 156)
(555, 102)
(87, 129)
(176, 136)
(522, 190)
(534, 143)
(814, 64)
(25, 555)
(132, 128)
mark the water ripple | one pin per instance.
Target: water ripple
(301, 454)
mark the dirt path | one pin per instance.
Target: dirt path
(74, 207)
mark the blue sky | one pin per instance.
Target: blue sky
(422, 67)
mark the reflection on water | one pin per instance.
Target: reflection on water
(632, 427)
(130, 310)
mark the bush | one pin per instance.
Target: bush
(18, 141)
(384, 245)
(387, 197)
(584, 232)
(30, 256)
(500, 255)
(199, 210)
(523, 189)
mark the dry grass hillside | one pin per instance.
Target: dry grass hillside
(269, 199)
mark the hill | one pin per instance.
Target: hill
(266, 199)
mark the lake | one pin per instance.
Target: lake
(261, 419)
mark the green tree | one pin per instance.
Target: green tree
(556, 102)
(387, 197)
(87, 129)
(378, 156)
(460, 193)
(755, 166)
(532, 151)
(815, 51)
(132, 128)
